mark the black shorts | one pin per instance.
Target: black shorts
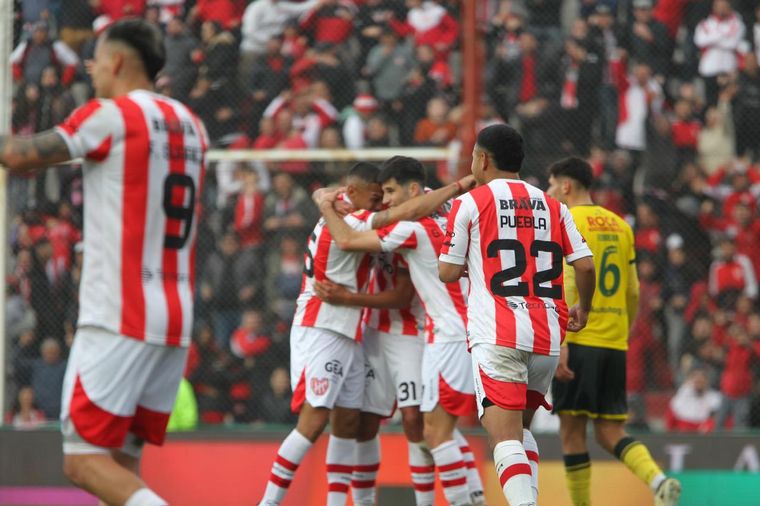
(598, 389)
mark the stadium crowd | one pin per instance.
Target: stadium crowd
(662, 97)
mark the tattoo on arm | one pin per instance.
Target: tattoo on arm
(381, 219)
(33, 152)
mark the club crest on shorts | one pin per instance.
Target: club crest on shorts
(319, 386)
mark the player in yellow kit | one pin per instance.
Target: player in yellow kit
(590, 378)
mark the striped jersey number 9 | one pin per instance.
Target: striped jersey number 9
(179, 184)
(308, 264)
(522, 289)
(607, 269)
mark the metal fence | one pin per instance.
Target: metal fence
(667, 113)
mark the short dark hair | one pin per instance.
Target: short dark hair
(577, 169)
(144, 38)
(504, 144)
(367, 172)
(403, 169)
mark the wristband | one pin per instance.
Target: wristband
(459, 186)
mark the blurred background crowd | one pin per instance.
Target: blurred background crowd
(661, 96)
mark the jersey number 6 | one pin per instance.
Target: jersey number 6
(522, 288)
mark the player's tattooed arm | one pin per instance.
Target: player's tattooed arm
(423, 205)
(344, 236)
(38, 151)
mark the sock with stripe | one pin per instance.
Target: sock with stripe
(145, 497)
(289, 456)
(531, 451)
(452, 473)
(422, 468)
(367, 463)
(514, 473)
(474, 483)
(340, 466)
(578, 478)
(637, 458)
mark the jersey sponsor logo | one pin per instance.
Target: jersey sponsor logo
(148, 274)
(522, 222)
(319, 386)
(532, 305)
(334, 367)
(602, 224)
(523, 203)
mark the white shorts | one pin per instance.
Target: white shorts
(117, 392)
(447, 378)
(326, 369)
(393, 371)
(511, 379)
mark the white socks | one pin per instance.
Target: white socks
(422, 468)
(145, 497)
(474, 484)
(340, 466)
(367, 463)
(514, 473)
(289, 456)
(531, 451)
(452, 472)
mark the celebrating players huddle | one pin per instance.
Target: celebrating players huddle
(444, 309)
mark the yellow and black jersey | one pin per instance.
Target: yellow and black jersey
(611, 240)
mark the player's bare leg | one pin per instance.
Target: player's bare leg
(101, 475)
(341, 454)
(366, 460)
(311, 423)
(505, 427)
(572, 433)
(611, 435)
(439, 436)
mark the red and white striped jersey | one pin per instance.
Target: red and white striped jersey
(143, 169)
(325, 260)
(514, 238)
(400, 322)
(445, 304)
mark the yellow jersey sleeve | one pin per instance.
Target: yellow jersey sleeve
(610, 239)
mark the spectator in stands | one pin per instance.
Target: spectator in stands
(701, 349)
(428, 23)
(736, 382)
(388, 64)
(372, 21)
(75, 19)
(640, 97)
(249, 215)
(331, 22)
(719, 38)
(580, 76)
(117, 9)
(748, 107)
(44, 283)
(285, 277)
(180, 69)
(288, 210)
(250, 340)
(226, 13)
(275, 403)
(310, 113)
(264, 19)
(685, 132)
(25, 414)
(31, 57)
(731, 274)
(648, 233)
(219, 52)
(545, 22)
(331, 68)
(716, 141)
(218, 105)
(269, 76)
(55, 102)
(678, 278)
(355, 124)
(647, 40)
(378, 133)
(694, 405)
(230, 284)
(47, 378)
(23, 354)
(209, 377)
(435, 129)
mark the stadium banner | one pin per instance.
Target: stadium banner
(231, 468)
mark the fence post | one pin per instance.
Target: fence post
(6, 46)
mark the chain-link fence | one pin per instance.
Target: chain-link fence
(662, 97)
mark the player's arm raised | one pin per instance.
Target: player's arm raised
(42, 150)
(344, 236)
(422, 205)
(399, 297)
